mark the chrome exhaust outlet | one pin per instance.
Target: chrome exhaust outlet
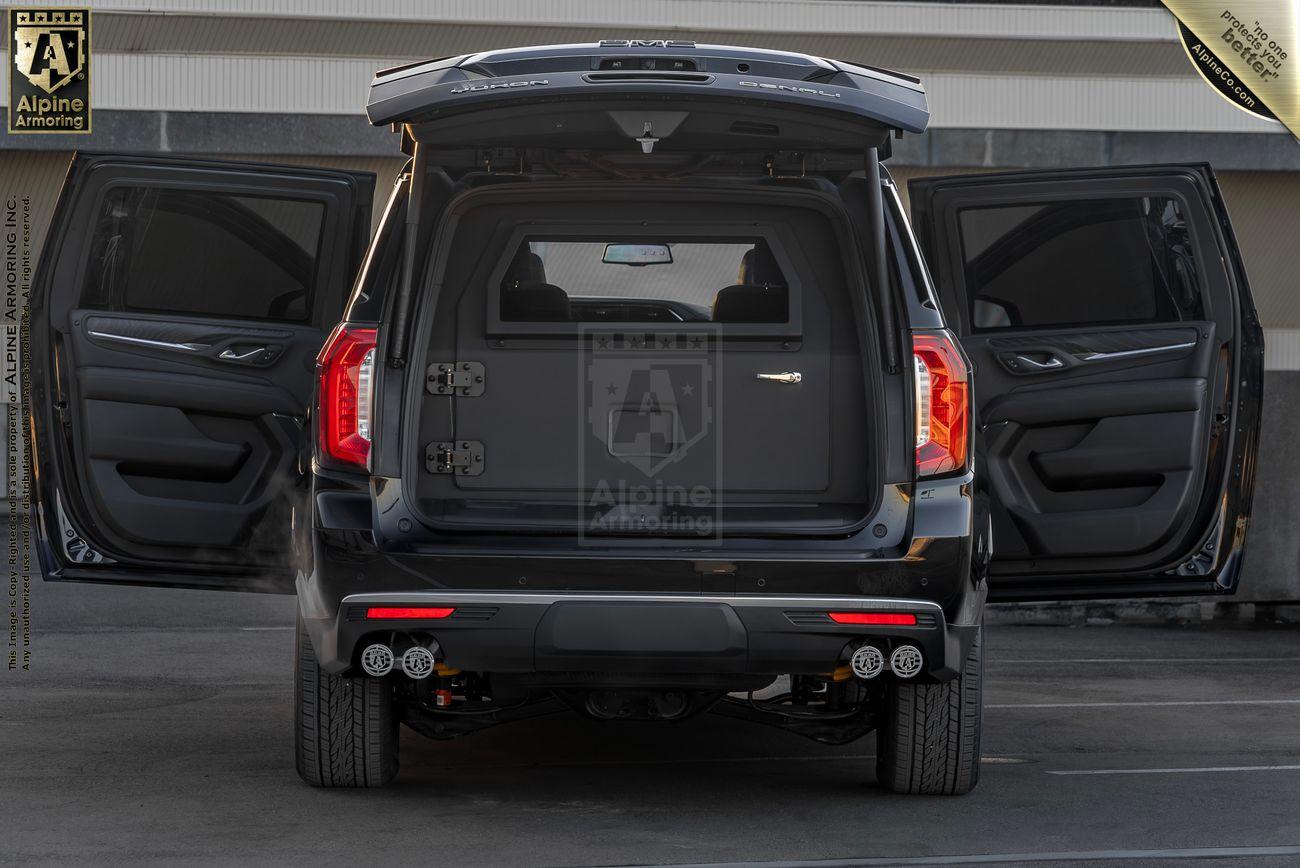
(906, 661)
(867, 662)
(377, 660)
(417, 662)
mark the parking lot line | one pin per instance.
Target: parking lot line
(1197, 660)
(1157, 704)
(1185, 771)
(1015, 858)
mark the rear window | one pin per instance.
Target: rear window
(644, 280)
(1082, 262)
(202, 253)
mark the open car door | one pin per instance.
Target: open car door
(175, 316)
(1118, 370)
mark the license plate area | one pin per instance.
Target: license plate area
(641, 637)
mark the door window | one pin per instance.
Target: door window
(200, 253)
(1083, 262)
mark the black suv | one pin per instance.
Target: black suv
(641, 402)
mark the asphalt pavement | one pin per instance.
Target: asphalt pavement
(156, 727)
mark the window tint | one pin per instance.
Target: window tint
(1078, 263)
(204, 254)
(644, 280)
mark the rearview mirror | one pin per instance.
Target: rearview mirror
(637, 254)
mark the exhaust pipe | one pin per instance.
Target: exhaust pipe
(867, 662)
(417, 662)
(377, 660)
(906, 661)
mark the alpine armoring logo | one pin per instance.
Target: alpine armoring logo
(49, 80)
(650, 439)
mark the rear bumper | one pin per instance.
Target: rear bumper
(655, 634)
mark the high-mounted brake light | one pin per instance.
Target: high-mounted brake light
(884, 619)
(403, 613)
(346, 368)
(942, 404)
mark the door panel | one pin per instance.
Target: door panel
(1105, 392)
(189, 430)
(178, 310)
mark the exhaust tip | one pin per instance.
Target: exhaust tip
(867, 662)
(417, 662)
(906, 661)
(377, 660)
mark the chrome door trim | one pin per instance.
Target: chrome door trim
(146, 342)
(1122, 354)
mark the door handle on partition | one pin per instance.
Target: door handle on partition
(789, 377)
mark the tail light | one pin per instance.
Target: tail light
(942, 404)
(411, 613)
(885, 619)
(346, 368)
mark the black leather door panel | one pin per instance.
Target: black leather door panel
(1095, 468)
(176, 312)
(1120, 447)
(1094, 400)
(1090, 461)
(164, 438)
(185, 450)
(1117, 358)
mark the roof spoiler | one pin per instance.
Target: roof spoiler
(636, 72)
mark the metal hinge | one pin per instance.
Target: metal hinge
(462, 457)
(462, 379)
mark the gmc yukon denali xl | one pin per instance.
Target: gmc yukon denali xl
(643, 401)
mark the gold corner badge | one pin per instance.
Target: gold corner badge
(49, 79)
(1247, 51)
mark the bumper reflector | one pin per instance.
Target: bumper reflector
(408, 612)
(886, 619)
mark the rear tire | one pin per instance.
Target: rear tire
(928, 742)
(345, 729)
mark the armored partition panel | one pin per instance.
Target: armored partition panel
(631, 399)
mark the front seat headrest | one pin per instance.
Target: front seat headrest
(743, 303)
(527, 268)
(537, 302)
(527, 297)
(758, 268)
